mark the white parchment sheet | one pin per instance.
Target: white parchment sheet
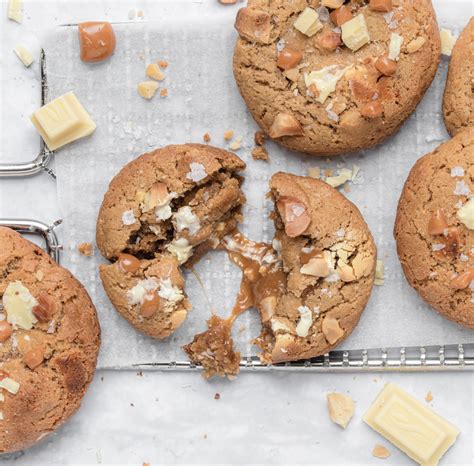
(203, 98)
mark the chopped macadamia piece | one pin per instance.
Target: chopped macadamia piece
(416, 44)
(355, 33)
(15, 12)
(285, 124)
(147, 89)
(332, 330)
(253, 25)
(62, 121)
(341, 15)
(289, 58)
(341, 408)
(329, 40)
(308, 22)
(386, 66)
(396, 41)
(153, 71)
(294, 215)
(24, 55)
(379, 273)
(381, 452)
(372, 109)
(463, 280)
(447, 41)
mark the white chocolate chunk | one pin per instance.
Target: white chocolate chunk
(341, 408)
(308, 22)
(396, 41)
(379, 273)
(181, 249)
(447, 41)
(24, 55)
(19, 303)
(128, 217)
(169, 292)
(344, 175)
(197, 173)
(163, 212)
(325, 80)
(10, 385)
(62, 121)
(154, 72)
(15, 10)
(186, 220)
(137, 294)
(305, 322)
(409, 425)
(466, 214)
(355, 33)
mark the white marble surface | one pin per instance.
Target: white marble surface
(260, 418)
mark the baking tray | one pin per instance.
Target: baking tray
(419, 358)
(40, 163)
(82, 174)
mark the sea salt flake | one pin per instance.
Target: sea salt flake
(457, 171)
(462, 189)
(437, 247)
(197, 173)
(128, 217)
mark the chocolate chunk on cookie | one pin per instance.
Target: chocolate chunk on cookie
(458, 103)
(332, 79)
(49, 341)
(434, 228)
(329, 258)
(164, 210)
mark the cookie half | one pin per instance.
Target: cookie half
(49, 341)
(329, 257)
(458, 102)
(434, 228)
(164, 210)
(330, 80)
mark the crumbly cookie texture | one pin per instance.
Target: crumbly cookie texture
(50, 338)
(458, 103)
(329, 257)
(433, 228)
(328, 80)
(162, 211)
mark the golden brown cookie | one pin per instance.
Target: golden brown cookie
(49, 341)
(458, 103)
(336, 78)
(163, 210)
(434, 228)
(329, 257)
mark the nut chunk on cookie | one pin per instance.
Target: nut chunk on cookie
(329, 258)
(434, 228)
(49, 341)
(331, 77)
(183, 202)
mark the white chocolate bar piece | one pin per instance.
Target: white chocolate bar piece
(62, 121)
(15, 10)
(416, 430)
(24, 55)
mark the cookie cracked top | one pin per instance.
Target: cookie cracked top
(434, 228)
(328, 77)
(49, 341)
(162, 211)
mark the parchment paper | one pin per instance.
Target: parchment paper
(203, 98)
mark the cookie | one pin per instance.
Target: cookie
(330, 80)
(458, 102)
(162, 211)
(434, 228)
(49, 341)
(329, 258)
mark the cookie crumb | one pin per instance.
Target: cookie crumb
(227, 2)
(260, 153)
(163, 64)
(217, 396)
(164, 92)
(429, 397)
(341, 408)
(85, 249)
(314, 172)
(381, 452)
(228, 135)
(447, 41)
(236, 144)
(206, 138)
(259, 138)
